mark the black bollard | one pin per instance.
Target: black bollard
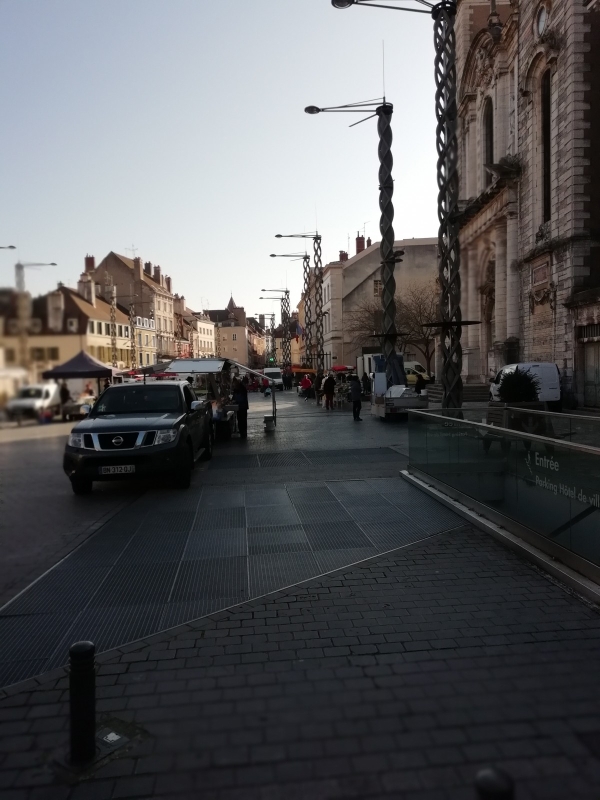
(494, 784)
(82, 697)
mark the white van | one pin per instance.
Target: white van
(545, 371)
(274, 374)
(31, 401)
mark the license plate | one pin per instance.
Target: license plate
(117, 470)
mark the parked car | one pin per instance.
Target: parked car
(415, 366)
(547, 374)
(138, 430)
(34, 401)
(411, 375)
(274, 374)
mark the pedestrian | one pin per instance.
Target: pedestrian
(355, 396)
(65, 396)
(240, 398)
(420, 383)
(366, 383)
(318, 385)
(88, 389)
(329, 389)
(106, 383)
(306, 386)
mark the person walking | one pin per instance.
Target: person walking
(318, 385)
(65, 396)
(240, 398)
(355, 396)
(329, 389)
(366, 383)
(306, 386)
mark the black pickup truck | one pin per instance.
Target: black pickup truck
(137, 430)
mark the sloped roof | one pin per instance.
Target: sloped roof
(231, 306)
(147, 278)
(101, 311)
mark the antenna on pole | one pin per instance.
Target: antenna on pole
(133, 250)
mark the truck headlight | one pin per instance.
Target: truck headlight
(165, 437)
(76, 440)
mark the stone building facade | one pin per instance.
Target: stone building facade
(528, 75)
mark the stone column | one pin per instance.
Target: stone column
(512, 277)
(473, 304)
(500, 282)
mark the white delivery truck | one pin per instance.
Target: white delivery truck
(387, 403)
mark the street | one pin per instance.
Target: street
(236, 633)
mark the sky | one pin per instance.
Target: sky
(177, 128)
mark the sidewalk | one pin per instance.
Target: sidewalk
(399, 677)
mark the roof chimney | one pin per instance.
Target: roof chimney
(168, 283)
(157, 274)
(369, 242)
(360, 243)
(86, 287)
(138, 270)
(343, 255)
(261, 321)
(90, 263)
(148, 268)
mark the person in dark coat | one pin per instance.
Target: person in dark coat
(240, 398)
(366, 383)
(355, 396)
(420, 384)
(329, 389)
(318, 387)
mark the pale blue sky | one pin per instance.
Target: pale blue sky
(178, 126)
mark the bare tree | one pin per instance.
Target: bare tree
(416, 306)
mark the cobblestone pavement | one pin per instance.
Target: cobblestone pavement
(397, 678)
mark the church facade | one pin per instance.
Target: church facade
(529, 165)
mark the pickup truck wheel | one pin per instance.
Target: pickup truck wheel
(81, 486)
(184, 474)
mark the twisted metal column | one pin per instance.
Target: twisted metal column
(319, 304)
(132, 341)
(307, 312)
(273, 343)
(386, 248)
(286, 343)
(113, 326)
(447, 176)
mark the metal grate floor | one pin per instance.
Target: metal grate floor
(151, 569)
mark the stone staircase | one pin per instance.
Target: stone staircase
(472, 393)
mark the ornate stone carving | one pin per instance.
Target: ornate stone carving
(542, 296)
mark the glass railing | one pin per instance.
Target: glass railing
(550, 486)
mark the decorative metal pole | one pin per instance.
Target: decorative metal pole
(386, 228)
(307, 288)
(132, 342)
(389, 258)
(450, 319)
(320, 340)
(444, 38)
(286, 342)
(113, 326)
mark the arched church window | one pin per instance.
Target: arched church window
(488, 139)
(546, 103)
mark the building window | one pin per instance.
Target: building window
(99, 327)
(147, 340)
(154, 358)
(91, 326)
(546, 144)
(139, 339)
(120, 331)
(147, 358)
(377, 288)
(72, 325)
(154, 341)
(93, 350)
(53, 354)
(234, 337)
(127, 331)
(488, 139)
(224, 337)
(107, 328)
(9, 355)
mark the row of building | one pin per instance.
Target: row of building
(151, 322)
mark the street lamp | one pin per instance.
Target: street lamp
(318, 290)
(271, 317)
(8, 247)
(307, 298)
(286, 343)
(383, 111)
(450, 317)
